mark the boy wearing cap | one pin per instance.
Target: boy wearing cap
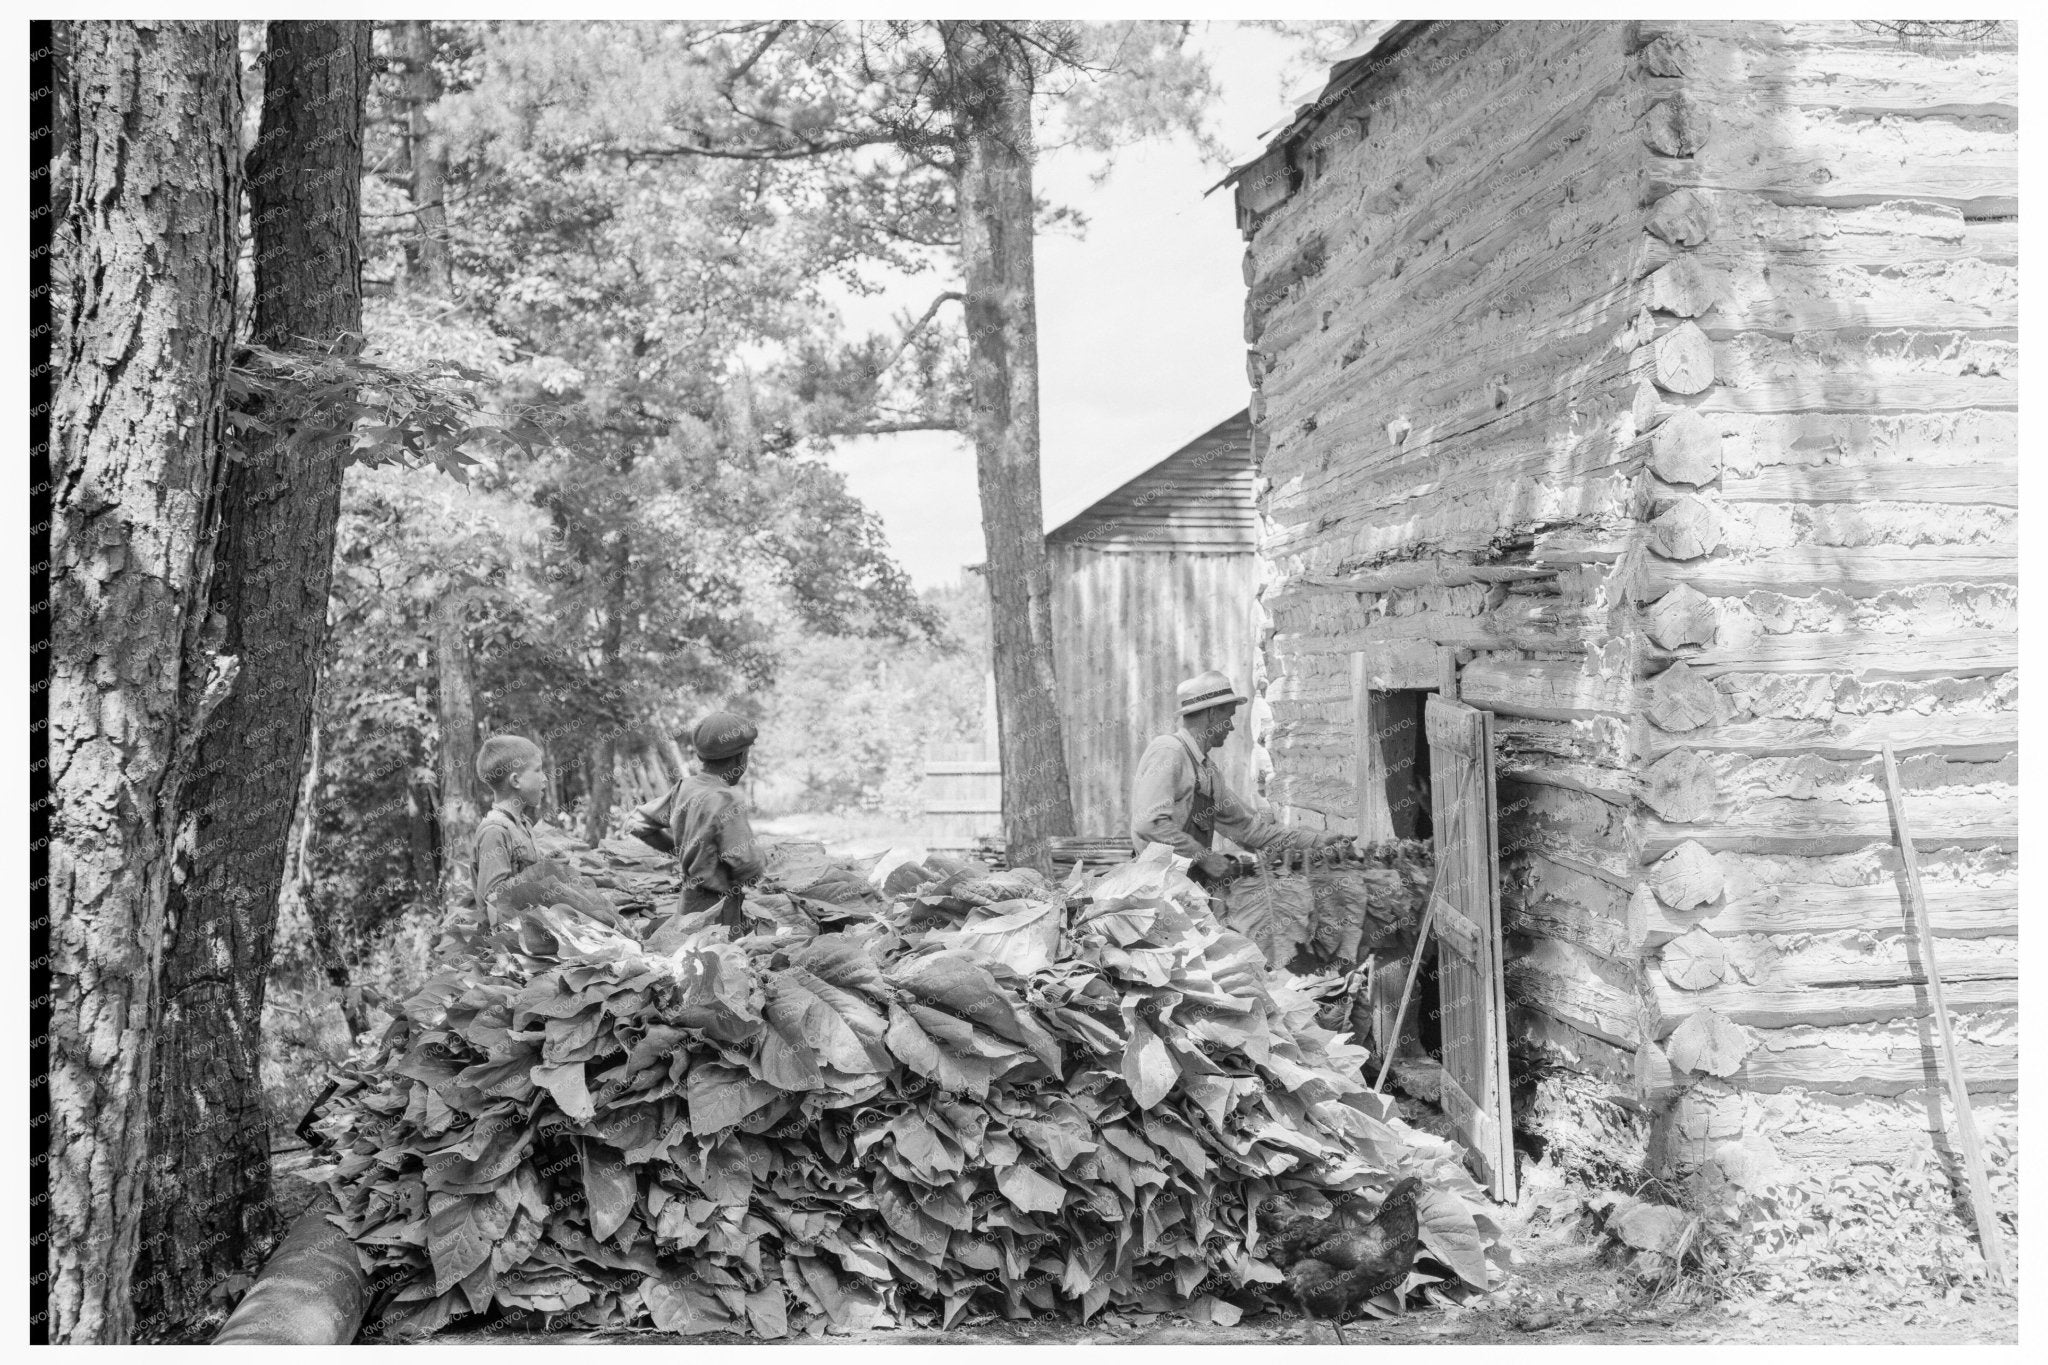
(714, 841)
(1178, 798)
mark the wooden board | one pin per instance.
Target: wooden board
(1375, 819)
(1781, 824)
(1856, 393)
(961, 797)
(1545, 689)
(1402, 665)
(1572, 983)
(1870, 652)
(1834, 1066)
(1470, 980)
(1994, 484)
(1960, 738)
(1770, 151)
(1955, 909)
(1861, 571)
(1764, 1007)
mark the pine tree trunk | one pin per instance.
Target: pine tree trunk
(422, 830)
(427, 263)
(137, 424)
(554, 772)
(992, 119)
(460, 809)
(212, 1217)
(602, 758)
(673, 765)
(328, 945)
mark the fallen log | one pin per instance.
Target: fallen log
(312, 1291)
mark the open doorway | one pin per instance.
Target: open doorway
(1394, 804)
(1425, 777)
(1399, 764)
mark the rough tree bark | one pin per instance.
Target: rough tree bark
(673, 764)
(210, 1215)
(602, 766)
(137, 423)
(990, 103)
(460, 809)
(427, 263)
(422, 832)
(330, 945)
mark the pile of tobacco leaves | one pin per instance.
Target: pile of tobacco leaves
(910, 1098)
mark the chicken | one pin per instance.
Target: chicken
(1334, 1265)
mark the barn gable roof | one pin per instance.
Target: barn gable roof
(1197, 498)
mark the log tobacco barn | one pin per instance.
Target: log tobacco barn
(1651, 388)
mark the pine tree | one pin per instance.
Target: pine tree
(149, 254)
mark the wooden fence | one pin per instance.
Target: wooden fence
(963, 786)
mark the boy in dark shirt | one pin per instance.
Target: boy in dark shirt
(708, 826)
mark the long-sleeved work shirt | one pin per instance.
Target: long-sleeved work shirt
(714, 840)
(1165, 793)
(504, 848)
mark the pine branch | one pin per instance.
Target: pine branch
(775, 32)
(757, 153)
(910, 334)
(892, 428)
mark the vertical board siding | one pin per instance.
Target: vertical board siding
(1465, 909)
(1128, 627)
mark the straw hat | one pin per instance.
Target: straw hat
(1205, 690)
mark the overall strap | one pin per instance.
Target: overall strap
(1201, 824)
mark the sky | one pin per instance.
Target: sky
(1141, 325)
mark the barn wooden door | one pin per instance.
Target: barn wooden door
(1467, 928)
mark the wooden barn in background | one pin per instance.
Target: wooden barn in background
(1650, 389)
(1153, 582)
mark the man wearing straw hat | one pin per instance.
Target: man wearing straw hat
(1179, 799)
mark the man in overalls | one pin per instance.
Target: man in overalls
(1179, 799)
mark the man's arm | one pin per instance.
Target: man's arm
(1161, 784)
(737, 848)
(1237, 820)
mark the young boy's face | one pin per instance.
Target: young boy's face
(528, 782)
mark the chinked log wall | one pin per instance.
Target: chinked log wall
(1715, 323)
(1843, 218)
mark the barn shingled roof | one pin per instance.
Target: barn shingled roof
(1199, 496)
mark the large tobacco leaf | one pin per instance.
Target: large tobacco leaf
(1276, 913)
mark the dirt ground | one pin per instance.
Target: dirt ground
(1558, 1293)
(844, 836)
